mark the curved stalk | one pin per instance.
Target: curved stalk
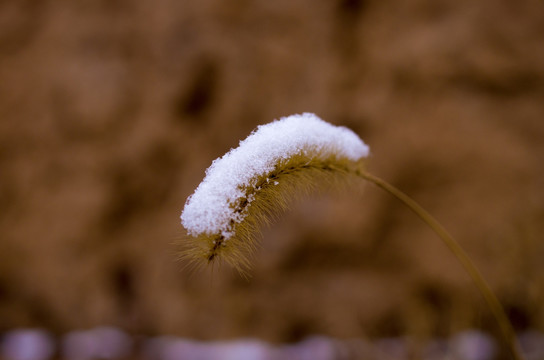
(489, 297)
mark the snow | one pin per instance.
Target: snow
(208, 210)
(27, 344)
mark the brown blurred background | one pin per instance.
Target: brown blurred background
(111, 110)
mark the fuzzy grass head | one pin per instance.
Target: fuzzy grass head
(251, 184)
(248, 186)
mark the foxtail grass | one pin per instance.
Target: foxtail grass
(269, 193)
(262, 203)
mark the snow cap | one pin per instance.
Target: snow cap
(209, 210)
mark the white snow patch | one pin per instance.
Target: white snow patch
(207, 211)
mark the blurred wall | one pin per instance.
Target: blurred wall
(111, 110)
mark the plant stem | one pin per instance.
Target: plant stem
(490, 298)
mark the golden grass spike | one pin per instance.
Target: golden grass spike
(302, 164)
(247, 187)
(270, 195)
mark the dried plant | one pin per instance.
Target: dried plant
(250, 185)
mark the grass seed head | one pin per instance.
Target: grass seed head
(251, 185)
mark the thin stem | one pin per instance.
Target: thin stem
(490, 298)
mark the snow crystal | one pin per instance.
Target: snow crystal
(207, 211)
